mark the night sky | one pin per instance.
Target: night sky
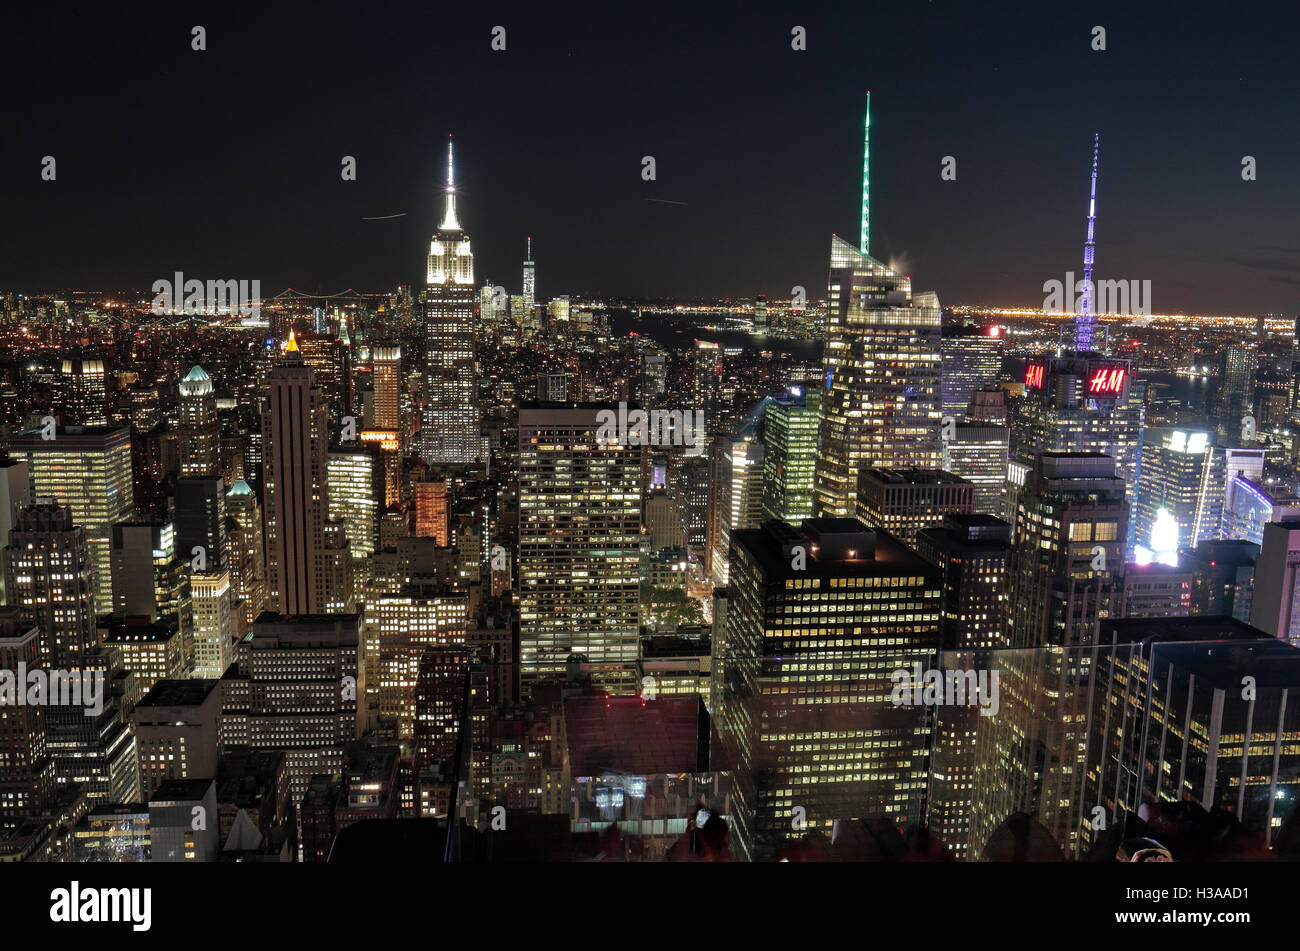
(226, 163)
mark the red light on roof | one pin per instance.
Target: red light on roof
(995, 331)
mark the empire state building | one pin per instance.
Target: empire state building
(449, 432)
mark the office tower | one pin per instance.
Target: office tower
(1065, 575)
(174, 835)
(552, 387)
(95, 750)
(1079, 403)
(439, 704)
(1237, 384)
(149, 578)
(387, 383)
(790, 426)
(450, 430)
(988, 404)
(431, 511)
(530, 277)
(579, 541)
(1231, 749)
(178, 732)
(559, 313)
(979, 452)
(214, 623)
(48, 577)
(760, 315)
(200, 429)
(338, 590)
(1157, 589)
(1171, 479)
(26, 769)
(1252, 505)
(881, 405)
(706, 373)
(971, 359)
(1275, 604)
(904, 501)
(735, 496)
(295, 437)
(327, 356)
(247, 551)
(294, 688)
(1223, 577)
(14, 494)
(1218, 497)
(82, 393)
(688, 482)
(355, 480)
(424, 614)
(201, 522)
(971, 552)
(88, 469)
(663, 519)
(822, 618)
(1067, 557)
(150, 650)
(316, 813)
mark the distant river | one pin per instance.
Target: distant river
(677, 333)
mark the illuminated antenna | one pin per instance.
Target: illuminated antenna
(449, 222)
(1085, 322)
(864, 238)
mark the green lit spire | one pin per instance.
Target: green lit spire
(864, 240)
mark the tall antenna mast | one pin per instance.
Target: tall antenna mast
(1086, 320)
(449, 222)
(864, 238)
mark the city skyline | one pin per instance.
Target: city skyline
(752, 204)
(691, 511)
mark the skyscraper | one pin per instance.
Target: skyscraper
(1079, 403)
(882, 399)
(979, 452)
(530, 277)
(200, 429)
(972, 358)
(881, 405)
(790, 425)
(1067, 557)
(356, 496)
(296, 451)
(88, 469)
(294, 688)
(450, 430)
(735, 496)
(821, 618)
(904, 501)
(26, 769)
(247, 551)
(1175, 467)
(214, 623)
(1275, 605)
(48, 577)
(579, 541)
(387, 382)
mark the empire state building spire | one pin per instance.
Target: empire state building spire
(449, 222)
